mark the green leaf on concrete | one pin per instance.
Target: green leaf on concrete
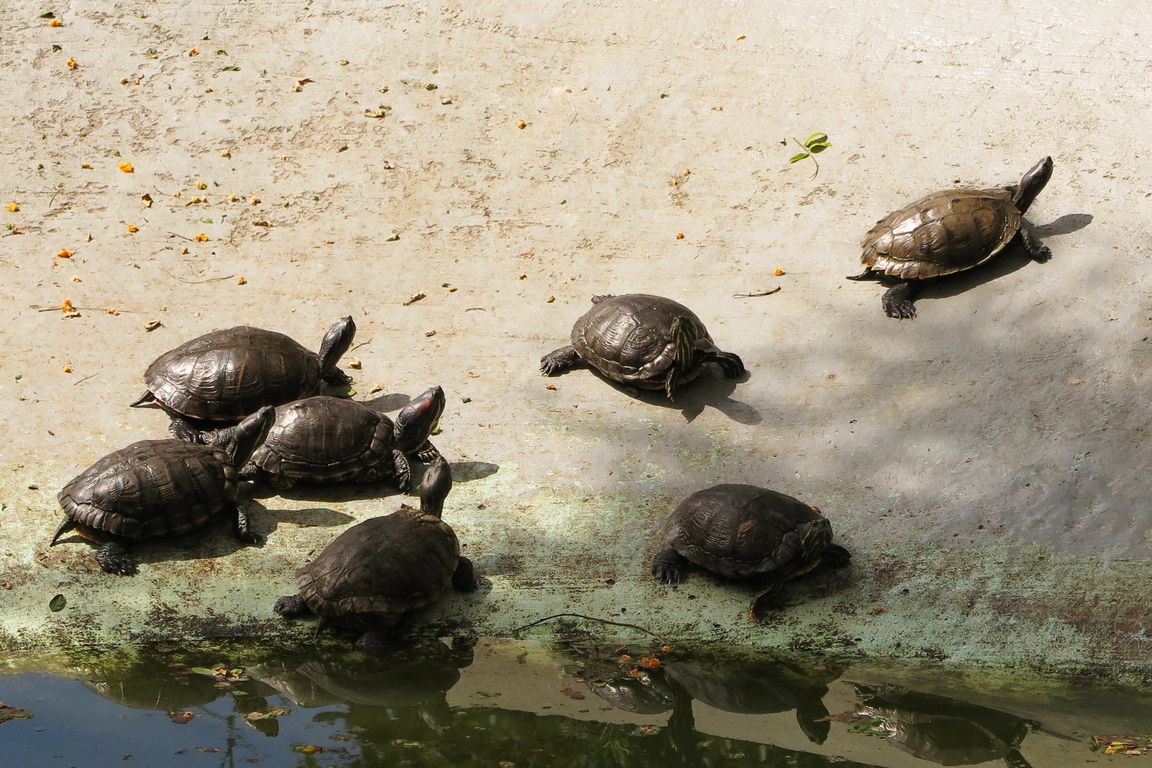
(798, 157)
(816, 138)
(817, 148)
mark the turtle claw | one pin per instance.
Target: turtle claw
(113, 558)
(557, 361)
(667, 567)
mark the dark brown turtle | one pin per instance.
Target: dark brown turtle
(331, 439)
(645, 341)
(378, 571)
(947, 232)
(221, 377)
(159, 488)
(742, 532)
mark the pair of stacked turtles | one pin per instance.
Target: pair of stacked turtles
(742, 531)
(287, 433)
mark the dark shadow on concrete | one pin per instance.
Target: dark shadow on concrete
(334, 492)
(711, 388)
(313, 517)
(466, 471)
(387, 403)
(1012, 259)
(1065, 225)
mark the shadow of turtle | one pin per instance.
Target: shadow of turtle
(335, 492)
(1012, 259)
(710, 389)
(467, 471)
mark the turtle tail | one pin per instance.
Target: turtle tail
(145, 398)
(68, 525)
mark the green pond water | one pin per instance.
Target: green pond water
(506, 703)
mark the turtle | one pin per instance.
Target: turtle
(219, 378)
(947, 232)
(324, 439)
(377, 572)
(744, 531)
(646, 341)
(763, 685)
(943, 730)
(155, 488)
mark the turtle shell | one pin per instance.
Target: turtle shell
(942, 233)
(388, 565)
(152, 488)
(225, 375)
(739, 531)
(629, 338)
(325, 439)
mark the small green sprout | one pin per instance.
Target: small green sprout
(813, 145)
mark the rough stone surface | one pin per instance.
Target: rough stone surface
(987, 463)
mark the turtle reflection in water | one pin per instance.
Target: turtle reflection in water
(943, 730)
(397, 674)
(947, 232)
(763, 686)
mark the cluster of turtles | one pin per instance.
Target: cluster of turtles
(245, 406)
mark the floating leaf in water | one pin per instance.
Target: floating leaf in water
(57, 603)
(180, 718)
(307, 749)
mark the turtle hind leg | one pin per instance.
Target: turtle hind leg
(558, 361)
(291, 607)
(898, 301)
(668, 567)
(115, 558)
(771, 599)
(1037, 250)
(464, 577)
(729, 362)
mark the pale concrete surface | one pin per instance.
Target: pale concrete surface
(986, 463)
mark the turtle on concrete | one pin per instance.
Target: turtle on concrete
(646, 341)
(325, 439)
(222, 376)
(378, 571)
(744, 532)
(159, 488)
(947, 232)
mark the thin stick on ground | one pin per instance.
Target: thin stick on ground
(587, 618)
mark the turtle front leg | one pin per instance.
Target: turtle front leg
(427, 453)
(402, 469)
(730, 363)
(771, 599)
(183, 429)
(291, 607)
(241, 527)
(897, 301)
(668, 566)
(1037, 250)
(558, 361)
(115, 558)
(464, 577)
(835, 556)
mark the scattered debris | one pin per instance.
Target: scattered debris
(415, 298)
(777, 289)
(57, 603)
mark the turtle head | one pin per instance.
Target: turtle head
(434, 486)
(336, 342)
(1031, 183)
(419, 419)
(249, 434)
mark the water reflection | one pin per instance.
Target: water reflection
(942, 730)
(450, 703)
